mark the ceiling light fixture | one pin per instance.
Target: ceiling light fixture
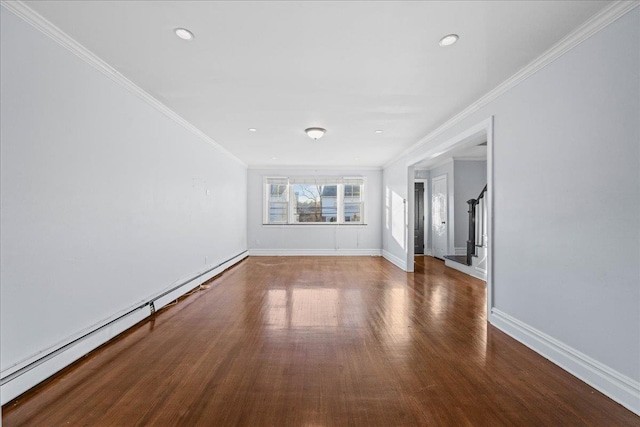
(252, 129)
(183, 33)
(315, 133)
(448, 40)
(378, 131)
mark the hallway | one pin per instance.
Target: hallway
(320, 341)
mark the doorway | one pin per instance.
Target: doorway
(418, 229)
(472, 136)
(439, 211)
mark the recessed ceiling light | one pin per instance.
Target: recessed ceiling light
(315, 133)
(252, 129)
(378, 131)
(183, 33)
(449, 39)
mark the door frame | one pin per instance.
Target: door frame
(427, 208)
(465, 138)
(441, 177)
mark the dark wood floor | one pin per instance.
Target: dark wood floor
(320, 341)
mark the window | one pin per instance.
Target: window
(278, 202)
(314, 200)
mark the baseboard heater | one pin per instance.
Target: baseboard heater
(150, 303)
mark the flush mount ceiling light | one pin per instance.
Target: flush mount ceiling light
(315, 133)
(448, 40)
(183, 33)
(378, 131)
(252, 129)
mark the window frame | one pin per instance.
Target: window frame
(338, 181)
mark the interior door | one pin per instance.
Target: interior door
(440, 228)
(418, 238)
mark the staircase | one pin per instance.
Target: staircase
(474, 263)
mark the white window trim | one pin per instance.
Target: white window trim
(291, 180)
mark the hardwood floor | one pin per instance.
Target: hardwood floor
(320, 341)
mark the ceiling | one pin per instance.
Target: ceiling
(350, 67)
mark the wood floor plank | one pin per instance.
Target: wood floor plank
(319, 341)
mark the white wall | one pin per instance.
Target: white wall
(314, 239)
(105, 200)
(470, 177)
(566, 275)
(395, 244)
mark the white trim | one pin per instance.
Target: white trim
(314, 252)
(76, 350)
(426, 214)
(460, 250)
(488, 241)
(428, 252)
(56, 34)
(470, 158)
(468, 136)
(308, 168)
(316, 225)
(597, 22)
(612, 383)
(163, 301)
(333, 180)
(450, 215)
(398, 262)
(21, 384)
(466, 269)
(439, 164)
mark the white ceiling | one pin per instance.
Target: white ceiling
(350, 67)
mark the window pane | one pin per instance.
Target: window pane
(352, 193)
(277, 212)
(315, 203)
(353, 212)
(278, 205)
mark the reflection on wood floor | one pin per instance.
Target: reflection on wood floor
(320, 341)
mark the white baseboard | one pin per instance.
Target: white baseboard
(395, 260)
(188, 286)
(428, 252)
(41, 372)
(75, 347)
(467, 269)
(612, 383)
(460, 250)
(314, 252)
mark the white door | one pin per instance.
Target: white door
(439, 226)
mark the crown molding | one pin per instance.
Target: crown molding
(36, 20)
(314, 167)
(596, 23)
